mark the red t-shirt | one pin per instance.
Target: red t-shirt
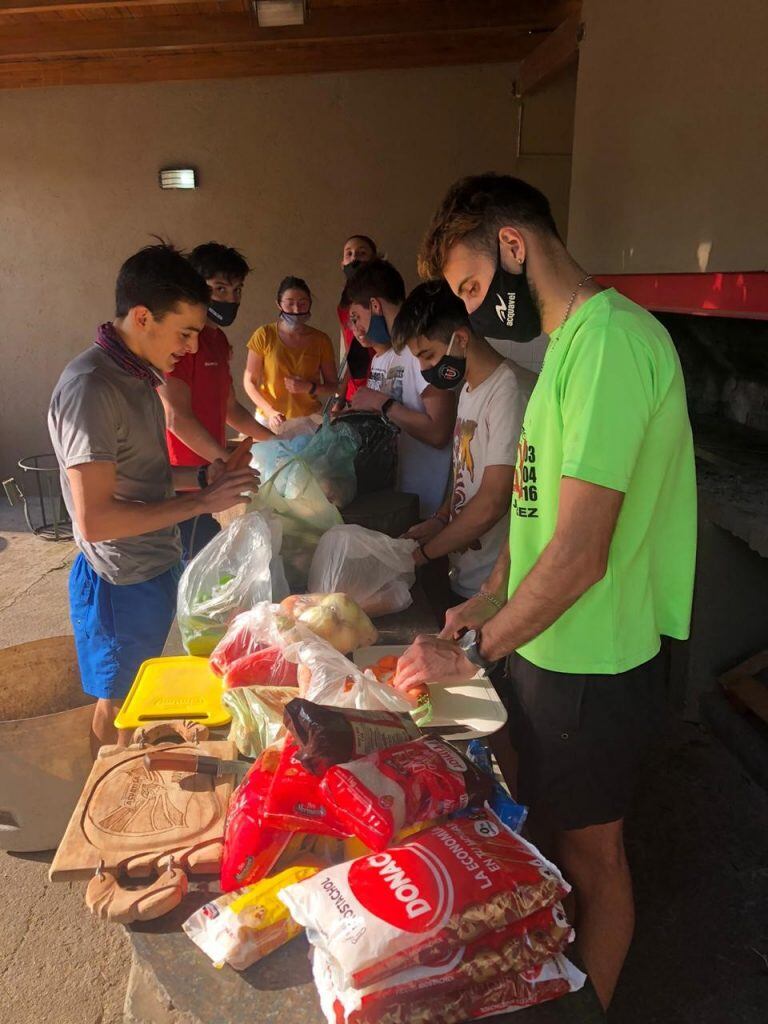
(208, 377)
(358, 359)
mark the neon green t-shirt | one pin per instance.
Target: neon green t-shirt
(610, 408)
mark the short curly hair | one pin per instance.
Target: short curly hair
(473, 211)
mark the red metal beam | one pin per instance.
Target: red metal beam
(738, 294)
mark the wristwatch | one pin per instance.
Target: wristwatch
(470, 645)
(386, 407)
(202, 477)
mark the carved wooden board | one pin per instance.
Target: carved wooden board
(131, 818)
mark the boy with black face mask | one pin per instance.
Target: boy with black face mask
(198, 395)
(472, 524)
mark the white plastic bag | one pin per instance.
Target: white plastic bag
(373, 569)
(230, 575)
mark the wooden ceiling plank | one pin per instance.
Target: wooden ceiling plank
(48, 39)
(65, 6)
(555, 53)
(411, 50)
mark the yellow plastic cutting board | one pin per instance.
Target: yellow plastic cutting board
(181, 687)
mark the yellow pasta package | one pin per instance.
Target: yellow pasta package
(246, 924)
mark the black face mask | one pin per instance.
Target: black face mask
(448, 373)
(350, 268)
(508, 311)
(222, 313)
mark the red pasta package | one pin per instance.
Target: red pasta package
(294, 801)
(445, 887)
(377, 795)
(425, 1004)
(250, 848)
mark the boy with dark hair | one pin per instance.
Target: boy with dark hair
(396, 388)
(108, 432)
(357, 250)
(602, 542)
(198, 394)
(472, 524)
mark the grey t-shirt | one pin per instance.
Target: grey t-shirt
(100, 413)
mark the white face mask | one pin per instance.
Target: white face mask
(294, 319)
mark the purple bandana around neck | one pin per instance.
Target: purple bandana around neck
(110, 341)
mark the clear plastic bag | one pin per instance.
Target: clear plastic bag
(257, 716)
(268, 456)
(295, 497)
(329, 452)
(327, 677)
(230, 575)
(373, 569)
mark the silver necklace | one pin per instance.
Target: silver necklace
(572, 299)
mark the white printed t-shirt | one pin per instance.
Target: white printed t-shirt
(422, 469)
(487, 431)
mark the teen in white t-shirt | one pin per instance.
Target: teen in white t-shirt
(426, 415)
(472, 525)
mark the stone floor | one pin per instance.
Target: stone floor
(697, 839)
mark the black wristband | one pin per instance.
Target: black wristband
(386, 407)
(313, 389)
(202, 477)
(421, 549)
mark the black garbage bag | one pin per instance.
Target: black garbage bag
(376, 459)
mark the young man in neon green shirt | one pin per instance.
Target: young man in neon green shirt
(602, 541)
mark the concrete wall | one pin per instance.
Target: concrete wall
(671, 137)
(288, 167)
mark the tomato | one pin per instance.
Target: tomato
(267, 667)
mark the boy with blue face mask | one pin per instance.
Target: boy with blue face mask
(396, 389)
(472, 524)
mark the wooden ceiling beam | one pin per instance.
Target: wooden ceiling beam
(552, 55)
(408, 50)
(17, 7)
(85, 38)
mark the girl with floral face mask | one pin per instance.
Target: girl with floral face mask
(290, 365)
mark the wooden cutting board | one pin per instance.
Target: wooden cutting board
(129, 819)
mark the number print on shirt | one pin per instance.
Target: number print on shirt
(525, 494)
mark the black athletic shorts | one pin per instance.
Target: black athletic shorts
(581, 738)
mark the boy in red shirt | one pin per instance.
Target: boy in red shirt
(198, 395)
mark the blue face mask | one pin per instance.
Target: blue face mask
(449, 372)
(378, 332)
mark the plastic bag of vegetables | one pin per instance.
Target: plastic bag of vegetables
(373, 569)
(295, 497)
(252, 651)
(230, 574)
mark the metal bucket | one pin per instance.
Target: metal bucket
(41, 497)
(45, 755)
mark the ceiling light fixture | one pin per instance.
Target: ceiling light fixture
(277, 13)
(178, 177)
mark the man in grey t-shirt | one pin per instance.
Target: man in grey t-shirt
(108, 431)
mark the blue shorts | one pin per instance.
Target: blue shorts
(117, 628)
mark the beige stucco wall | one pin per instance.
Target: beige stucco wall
(288, 167)
(670, 156)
